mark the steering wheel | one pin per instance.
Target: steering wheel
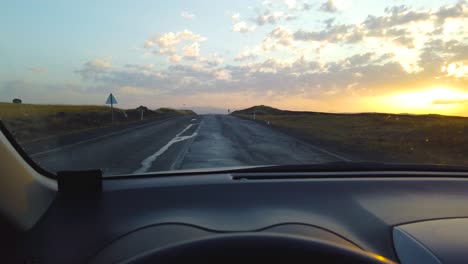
(257, 248)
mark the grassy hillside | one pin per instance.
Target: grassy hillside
(170, 111)
(29, 122)
(373, 136)
(10, 110)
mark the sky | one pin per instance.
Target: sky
(329, 55)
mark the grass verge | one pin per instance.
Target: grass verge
(29, 122)
(429, 139)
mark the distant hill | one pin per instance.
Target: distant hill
(260, 110)
(168, 111)
(268, 110)
(208, 110)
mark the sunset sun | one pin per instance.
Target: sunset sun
(435, 100)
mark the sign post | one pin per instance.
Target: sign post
(142, 109)
(111, 100)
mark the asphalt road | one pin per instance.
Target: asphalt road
(188, 142)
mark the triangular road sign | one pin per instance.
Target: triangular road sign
(111, 99)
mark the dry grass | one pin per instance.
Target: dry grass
(10, 110)
(29, 122)
(430, 139)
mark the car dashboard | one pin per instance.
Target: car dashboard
(396, 216)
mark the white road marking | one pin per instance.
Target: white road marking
(146, 163)
(180, 158)
(193, 120)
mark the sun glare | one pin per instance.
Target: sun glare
(439, 100)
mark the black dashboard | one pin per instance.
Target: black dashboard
(136, 215)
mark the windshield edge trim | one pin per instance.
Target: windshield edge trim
(23, 153)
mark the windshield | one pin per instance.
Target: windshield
(143, 86)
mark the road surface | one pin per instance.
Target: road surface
(187, 142)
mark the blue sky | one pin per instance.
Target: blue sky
(60, 35)
(313, 55)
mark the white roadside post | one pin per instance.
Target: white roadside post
(142, 110)
(111, 100)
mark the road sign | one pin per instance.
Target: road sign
(111, 100)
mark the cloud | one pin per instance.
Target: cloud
(439, 57)
(235, 16)
(242, 27)
(280, 36)
(164, 81)
(290, 17)
(131, 90)
(187, 15)
(175, 45)
(95, 69)
(145, 68)
(191, 51)
(100, 63)
(404, 41)
(291, 4)
(223, 75)
(267, 3)
(297, 5)
(396, 16)
(329, 22)
(268, 17)
(332, 34)
(175, 58)
(359, 59)
(460, 9)
(272, 13)
(246, 55)
(357, 75)
(168, 40)
(306, 6)
(399, 25)
(458, 69)
(371, 57)
(329, 7)
(453, 101)
(213, 60)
